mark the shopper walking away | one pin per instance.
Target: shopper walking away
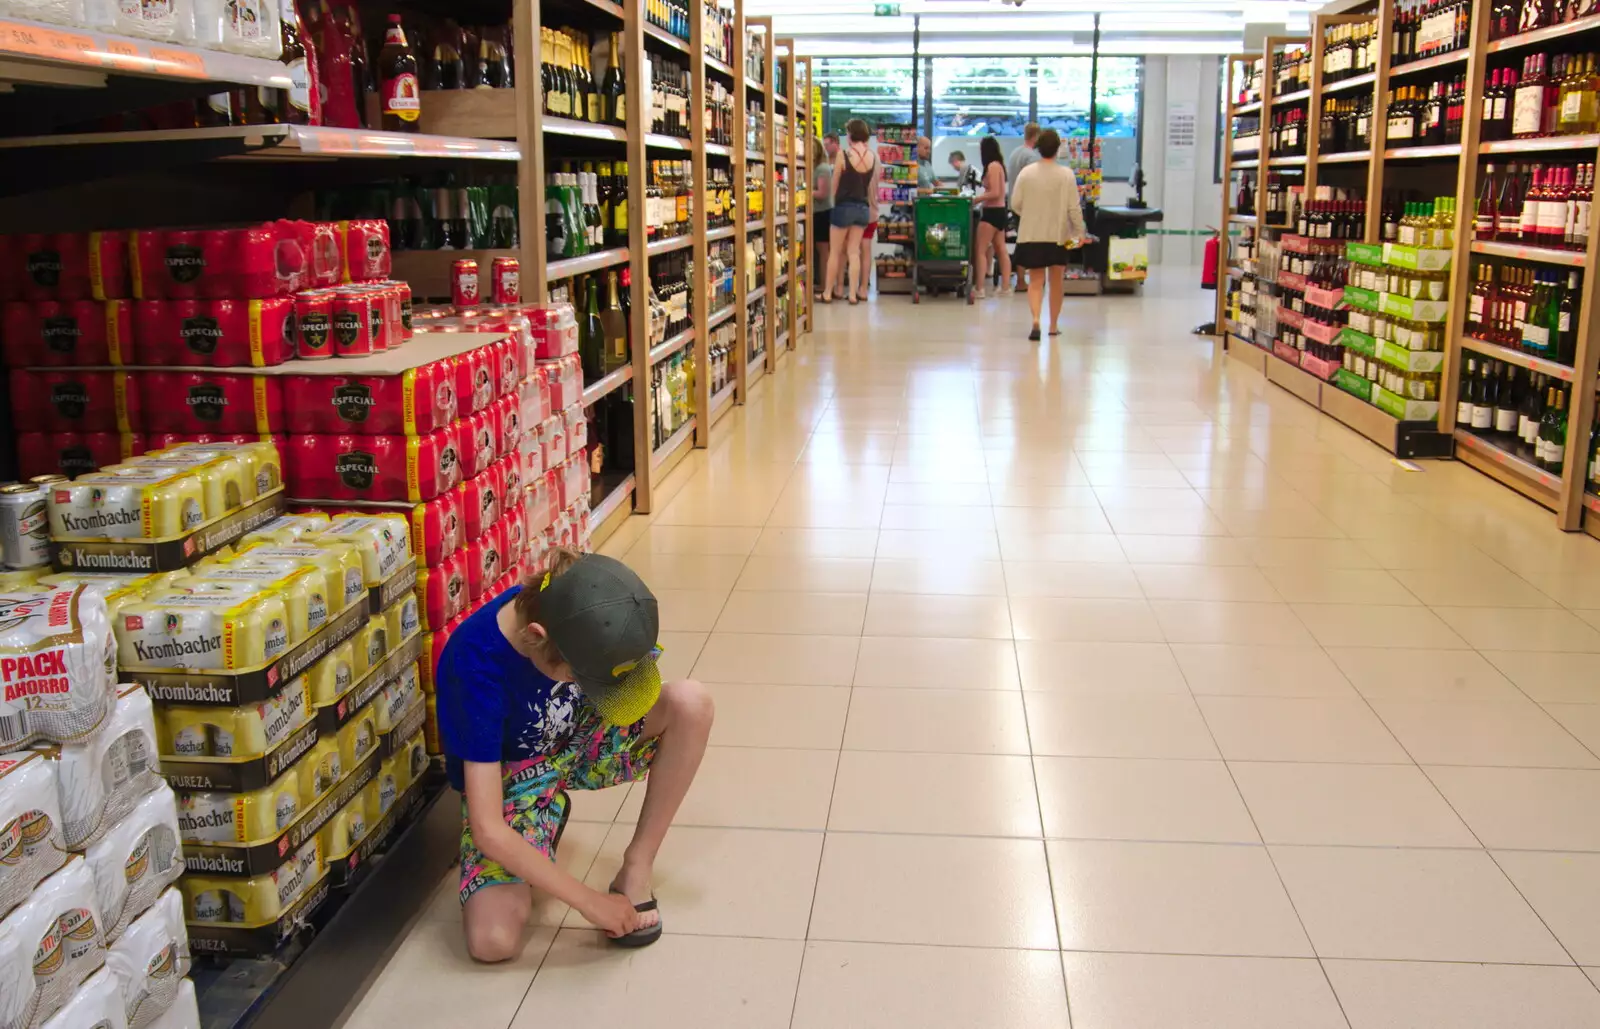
(924, 163)
(1017, 160)
(855, 188)
(821, 208)
(1050, 221)
(553, 686)
(992, 216)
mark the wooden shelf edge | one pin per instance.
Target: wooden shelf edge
(606, 384)
(1508, 469)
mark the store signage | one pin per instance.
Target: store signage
(886, 10)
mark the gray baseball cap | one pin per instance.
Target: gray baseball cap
(604, 620)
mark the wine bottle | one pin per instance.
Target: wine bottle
(614, 325)
(1505, 408)
(592, 333)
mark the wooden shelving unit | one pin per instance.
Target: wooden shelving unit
(1452, 168)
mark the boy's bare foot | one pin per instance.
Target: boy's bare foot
(633, 882)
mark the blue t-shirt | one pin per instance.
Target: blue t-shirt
(493, 704)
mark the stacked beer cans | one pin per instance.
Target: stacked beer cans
(86, 317)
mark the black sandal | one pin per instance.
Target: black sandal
(640, 937)
(1033, 336)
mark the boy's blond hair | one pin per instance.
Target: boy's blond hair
(556, 562)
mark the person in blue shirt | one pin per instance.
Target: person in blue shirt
(554, 685)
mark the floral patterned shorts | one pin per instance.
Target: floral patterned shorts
(596, 756)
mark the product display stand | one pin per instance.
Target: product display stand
(1249, 309)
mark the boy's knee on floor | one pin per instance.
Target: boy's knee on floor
(691, 701)
(494, 942)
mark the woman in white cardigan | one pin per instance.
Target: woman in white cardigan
(1050, 222)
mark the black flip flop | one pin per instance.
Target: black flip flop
(1034, 335)
(640, 937)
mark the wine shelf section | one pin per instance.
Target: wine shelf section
(668, 245)
(1428, 63)
(1521, 475)
(665, 142)
(721, 316)
(726, 232)
(29, 44)
(1354, 82)
(1423, 153)
(1548, 34)
(1349, 157)
(1542, 255)
(662, 36)
(608, 383)
(755, 294)
(580, 129)
(568, 267)
(665, 350)
(1293, 161)
(287, 142)
(1517, 357)
(1586, 141)
(1290, 98)
(612, 502)
(674, 443)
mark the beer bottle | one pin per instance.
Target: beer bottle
(399, 88)
(297, 104)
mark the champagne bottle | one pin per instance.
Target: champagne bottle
(591, 333)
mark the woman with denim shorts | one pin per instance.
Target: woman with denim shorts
(855, 186)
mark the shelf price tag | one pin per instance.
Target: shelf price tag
(122, 53)
(179, 63)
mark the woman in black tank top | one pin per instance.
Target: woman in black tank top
(855, 190)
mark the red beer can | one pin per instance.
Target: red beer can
(404, 289)
(313, 315)
(352, 324)
(506, 281)
(464, 283)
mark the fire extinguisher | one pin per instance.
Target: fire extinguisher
(1208, 266)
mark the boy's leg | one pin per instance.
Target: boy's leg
(681, 723)
(496, 921)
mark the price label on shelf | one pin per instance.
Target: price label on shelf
(183, 63)
(121, 53)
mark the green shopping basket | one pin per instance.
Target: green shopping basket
(944, 228)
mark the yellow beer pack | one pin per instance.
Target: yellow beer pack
(339, 563)
(241, 818)
(115, 590)
(395, 699)
(384, 542)
(211, 631)
(334, 673)
(149, 504)
(346, 828)
(240, 733)
(371, 643)
(259, 900)
(405, 619)
(286, 529)
(359, 735)
(320, 770)
(260, 460)
(304, 591)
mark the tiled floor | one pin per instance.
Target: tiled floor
(1096, 681)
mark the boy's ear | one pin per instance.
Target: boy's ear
(538, 632)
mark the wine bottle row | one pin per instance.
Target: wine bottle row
(1513, 17)
(1525, 307)
(1429, 114)
(568, 82)
(671, 386)
(1429, 28)
(586, 208)
(1551, 95)
(1346, 125)
(1536, 204)
(670, 296)
(1349, 49)
(1520, 411)
(669, 96)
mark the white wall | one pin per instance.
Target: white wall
(1186, 191)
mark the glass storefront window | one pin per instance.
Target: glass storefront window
(875, 89)
(1064, 105)
(973, 98)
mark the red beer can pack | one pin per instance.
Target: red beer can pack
(481, 502)
(67, 332)
(383, 468)
(75, 401)
(505, 281)
(74, 453)
(364, 249)
(436, 528)
(313, 324)
(64, 266)
(215, 333)
(464, 283)
(442, 591)
(480, 444)
(210, 402)
(414, 403)
(352, 323)
(485, 560)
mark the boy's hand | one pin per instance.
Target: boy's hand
(612, 912)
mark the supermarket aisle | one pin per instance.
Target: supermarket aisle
(1098, 674)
